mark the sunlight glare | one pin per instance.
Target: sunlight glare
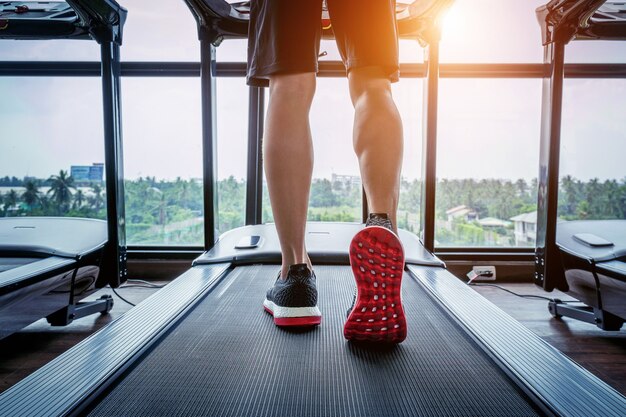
(452, 23)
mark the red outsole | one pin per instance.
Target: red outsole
(295, 321)
(377, 260)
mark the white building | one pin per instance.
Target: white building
(525, 229)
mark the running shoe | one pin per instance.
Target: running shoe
(377, 260)
(293, 300)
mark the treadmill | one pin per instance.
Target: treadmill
(48, 264)
(203, 345)
(586, 259)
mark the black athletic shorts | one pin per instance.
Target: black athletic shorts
(284, 36)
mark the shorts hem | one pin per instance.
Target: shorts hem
(259, 76)
(392, 71)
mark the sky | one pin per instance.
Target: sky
(488, 128)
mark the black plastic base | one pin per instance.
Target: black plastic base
(73, 312)
(601, 318)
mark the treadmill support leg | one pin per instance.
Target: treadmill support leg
(547, 257)
(73, 312)
(601, 318)
(114, 269)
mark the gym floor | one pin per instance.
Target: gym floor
(602, 353)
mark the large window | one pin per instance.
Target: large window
(159, 30)
(163, 161)
(336, 189)
(484, 31)
(488, 134)
(488, 154)
(232, 152)
(336, 192)
(593, 176)
(408, 97)
(51, 147)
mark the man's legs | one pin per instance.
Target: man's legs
(288, 161)
(377, 139)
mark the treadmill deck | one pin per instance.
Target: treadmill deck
(228, 358)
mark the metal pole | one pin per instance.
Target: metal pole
(429, 145)
(209, 141)
(259, 174)
(365, 208)
(547, 259)
(254, 185)
(114, 266)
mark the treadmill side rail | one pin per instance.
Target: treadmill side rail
(563, 386)
(85, 369)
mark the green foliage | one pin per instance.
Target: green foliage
(172, 212)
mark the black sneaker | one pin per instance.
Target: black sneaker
(377, 260)
(293, 301)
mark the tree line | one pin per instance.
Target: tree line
(170, 211)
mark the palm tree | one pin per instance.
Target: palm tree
(60, 188)
(10, 201)
(31, 195)
(98, 199)
(79, 199)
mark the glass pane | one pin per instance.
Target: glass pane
(232, 143)
(160, 30)
(487, 163)
(336, 188)
(51, 152)
(596, 52)
(49, 50)
(163, 161)
(492, 31)
(336, 192)
(593, 177)
(408, 96)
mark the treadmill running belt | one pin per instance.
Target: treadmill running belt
(227, 358)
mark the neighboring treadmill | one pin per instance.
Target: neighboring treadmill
(584, 258)
(48, 264)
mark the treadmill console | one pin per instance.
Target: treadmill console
(592, 240)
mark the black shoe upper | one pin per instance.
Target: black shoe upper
(299, 289)
(379, 219)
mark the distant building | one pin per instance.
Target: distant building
(93, 173)
(461, 213)
(347, 179)
(525, 229)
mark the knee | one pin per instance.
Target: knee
(368, 84)
(295, 88)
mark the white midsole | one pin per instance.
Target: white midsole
(284, 312)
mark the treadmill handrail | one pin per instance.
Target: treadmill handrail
(25, 273)
(564, 20)
(101, 20)
(218, 20)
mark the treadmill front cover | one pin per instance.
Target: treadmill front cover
(59, 236)
(613, 231)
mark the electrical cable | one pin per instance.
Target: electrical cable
(121, 298)
(147, 284)
(531, 296)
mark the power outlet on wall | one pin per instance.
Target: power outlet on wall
(484, 273)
